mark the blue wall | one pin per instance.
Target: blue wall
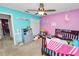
(18, 24)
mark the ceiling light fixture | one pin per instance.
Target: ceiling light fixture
(41, 12)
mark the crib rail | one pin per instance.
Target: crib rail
(67, 34)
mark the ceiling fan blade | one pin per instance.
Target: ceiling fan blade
(36, 13)
(27, 11)
(31, 10)
(50, 10)
(45, 13)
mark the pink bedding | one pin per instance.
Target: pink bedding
(61, 48)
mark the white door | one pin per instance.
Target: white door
(35, 25)
(0, 30)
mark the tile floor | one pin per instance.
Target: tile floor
(31, 49)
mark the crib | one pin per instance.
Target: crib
(50, 47)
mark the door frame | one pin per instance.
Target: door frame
(12, 25)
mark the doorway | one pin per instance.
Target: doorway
(5, 27)
(6, 40)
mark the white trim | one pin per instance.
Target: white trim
(13, 32)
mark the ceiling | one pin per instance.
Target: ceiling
(60, 7)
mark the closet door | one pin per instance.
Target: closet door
(35, 25)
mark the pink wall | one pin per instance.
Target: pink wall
(61, 23)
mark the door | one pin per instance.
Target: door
(35, 25)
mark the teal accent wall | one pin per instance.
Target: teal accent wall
(18, 24)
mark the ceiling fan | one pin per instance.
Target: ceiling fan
(41, 10)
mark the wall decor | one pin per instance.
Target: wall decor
(67, 17)
(21, 18)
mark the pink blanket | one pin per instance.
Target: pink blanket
(62, 48)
